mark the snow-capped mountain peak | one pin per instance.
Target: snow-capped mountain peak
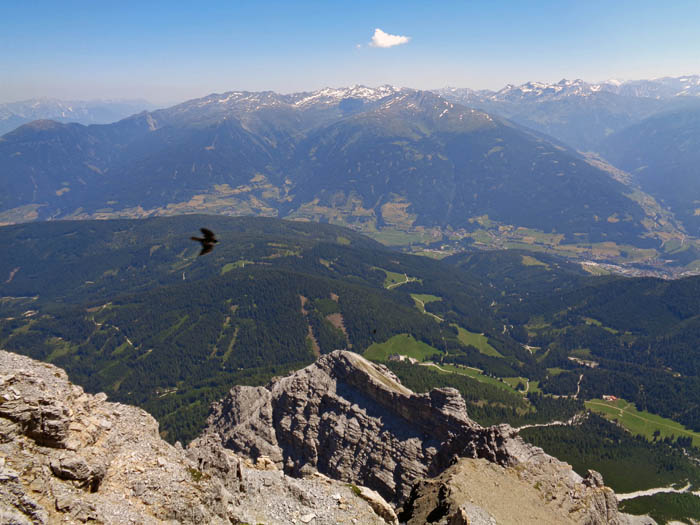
(334, 95)
(246, 100)
(544, 90)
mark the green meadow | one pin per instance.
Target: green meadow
(403, 344)
(479, 341)
(640, 422)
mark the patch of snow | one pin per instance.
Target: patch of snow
(334, 95)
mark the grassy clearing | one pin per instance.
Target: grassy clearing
(394, 279)
(513, 381)
(473, 373)
(537, 323)
(61, 348)
(583, 353)
(482, 237)
(403, 344)
(640, 422)
(555, 371)
(121, 349)
(529, 235)
(595, 322)
(232, 266)
(391, 237)
(537, 248)
(24, 328)
(483, 220)
(479, 341)
(421, 299)
(230, 347)
(426, 298)
(531, 261)
(693, 266)
(532, 349)
(433, 254)
(595, 269)
(168, 332)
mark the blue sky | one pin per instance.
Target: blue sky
(171, 51)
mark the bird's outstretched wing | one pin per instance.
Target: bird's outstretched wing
(208, 235)
(207, 241)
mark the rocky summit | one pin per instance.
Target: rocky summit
(70, 457)
(352, 436)
(352, 420)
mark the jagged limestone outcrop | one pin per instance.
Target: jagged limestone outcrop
(353, 420)
(70, 457)
(542, 491)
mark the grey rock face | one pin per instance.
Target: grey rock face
(353, 421)
(544, 491)
(67, 456)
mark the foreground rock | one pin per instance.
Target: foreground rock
(70, 457)
(478, 492)
(353, 420)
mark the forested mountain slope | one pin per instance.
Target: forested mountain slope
(128, 307)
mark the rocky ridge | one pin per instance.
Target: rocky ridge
(71, 457)
(658, 88)
(353, 420)
(541, 491)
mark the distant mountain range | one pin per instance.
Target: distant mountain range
(649, 128)
(403, 165)
(660, 88)
(579, 113)
(15, 114)
(370, 157)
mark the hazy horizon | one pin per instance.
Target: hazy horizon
(166, 103)
(170, 52)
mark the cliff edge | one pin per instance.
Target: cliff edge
(353, 420)
(71, 457)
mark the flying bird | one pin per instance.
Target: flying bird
(208, 241)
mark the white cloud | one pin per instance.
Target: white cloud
(382, 39)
